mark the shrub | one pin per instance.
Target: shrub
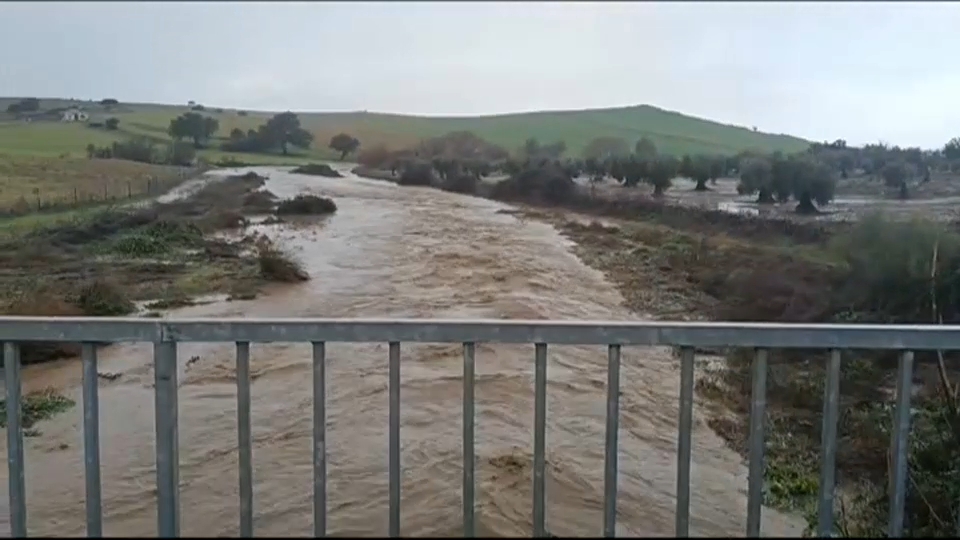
(417, 174)
(276, 265)
(460, 183)
(306, 205)
(549, 183)
(99, 298)
(38, 301)
(259, 201)
(37, 406)
(317, 169)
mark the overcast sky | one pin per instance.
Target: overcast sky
(861, 71)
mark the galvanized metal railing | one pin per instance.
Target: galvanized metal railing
(167, 333)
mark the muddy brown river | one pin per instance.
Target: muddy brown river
(395, 252)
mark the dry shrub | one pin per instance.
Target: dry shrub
(41, 301)
(306, 205)
(259, 201)
(223, 219)
(101, 298)
(317, 169)
(275, 265)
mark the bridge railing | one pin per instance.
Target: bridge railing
(166, 334)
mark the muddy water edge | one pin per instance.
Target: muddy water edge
(391, 251)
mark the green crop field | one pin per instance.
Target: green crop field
(672, 132)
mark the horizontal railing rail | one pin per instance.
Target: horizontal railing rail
(165, 335)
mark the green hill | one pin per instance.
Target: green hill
(672, 132)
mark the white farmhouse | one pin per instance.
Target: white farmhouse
(74, 115)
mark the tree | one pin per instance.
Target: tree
(182, 154)
(717, 166)
(193, 126)
(24, 105)
(237, 134)
(374, 156)
(532, 150)
(606, 147)
(345, 144)
(645, 149)
(554, 150)
(698, 169)
(109, 102)
(895, 175)
(660, 172)
(807, 180)
(635, 171)
(756, 176)
(112, 123)
(284, 130)
(845, 163)
(951, 150)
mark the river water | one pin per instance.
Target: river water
(395, 252)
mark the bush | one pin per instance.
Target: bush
(259, 201)
(37, 406)
(306, 205)
(461, 183)
(317, 169)
(549, 183)
(892, 277)
(893, 272)
(112, 123)
(417, 174)
(99, 298)
(276, 265)
(38, 301)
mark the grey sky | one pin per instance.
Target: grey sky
(860, 71)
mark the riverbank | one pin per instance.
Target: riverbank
(674, 274)
(142, 260)
(671, 262)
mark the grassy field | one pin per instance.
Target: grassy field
(45, 182)
(672, 132)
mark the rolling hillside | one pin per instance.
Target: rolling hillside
(672, 132)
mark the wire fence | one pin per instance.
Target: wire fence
(90, 194)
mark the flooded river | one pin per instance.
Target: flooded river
(395, 252)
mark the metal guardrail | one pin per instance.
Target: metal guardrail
(167, 333)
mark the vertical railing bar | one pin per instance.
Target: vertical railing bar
(611, 448)
(758, 405)
(828, 436)
(394, 458)
(15, 463)
(244, 439)
(900, 439)
(165, 388)
(319, 440)
(684, 442)
(539, 441)
(91, 441)
(469, 526)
